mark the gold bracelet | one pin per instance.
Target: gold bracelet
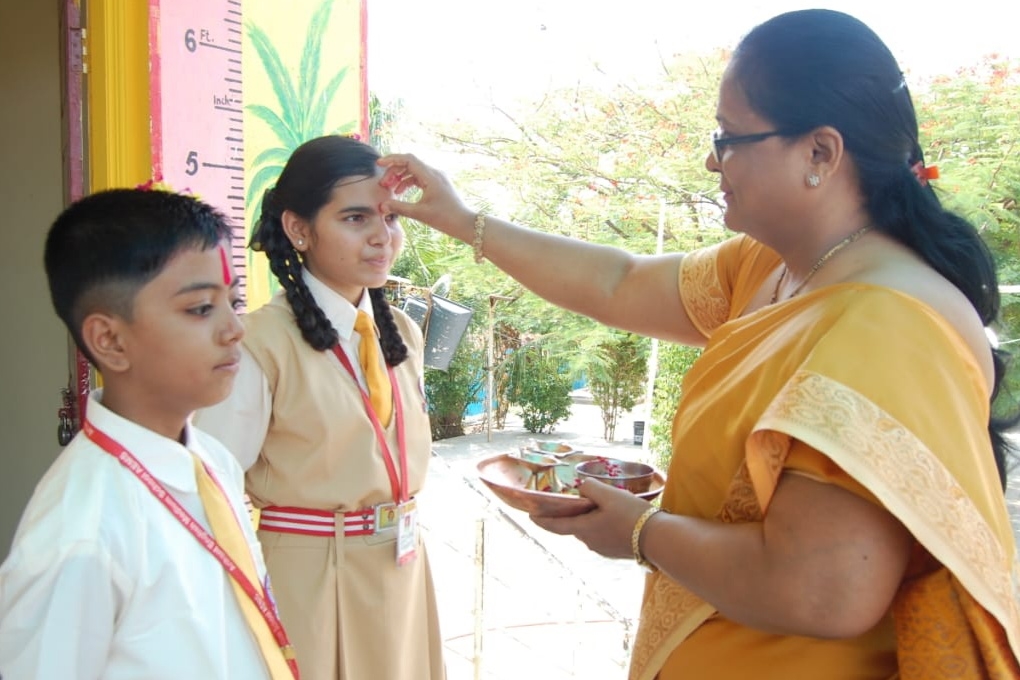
(479, 236)
(635, 538)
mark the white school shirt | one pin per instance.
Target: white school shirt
(103, 582)
(241, 421)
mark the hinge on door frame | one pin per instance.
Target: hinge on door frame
(78, 50)
(68, 420)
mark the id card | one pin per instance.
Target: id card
(407, 532)
(385, 517)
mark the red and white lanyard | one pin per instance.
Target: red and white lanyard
(398, 483)
(257, 596)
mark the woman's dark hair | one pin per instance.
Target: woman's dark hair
(811, 68)
(304, 187)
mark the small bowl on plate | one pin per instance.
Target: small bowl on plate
(564, 463)
(554, 448)
(623, 474)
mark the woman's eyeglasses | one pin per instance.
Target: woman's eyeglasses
(719, 143)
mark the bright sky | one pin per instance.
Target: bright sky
(457, 57)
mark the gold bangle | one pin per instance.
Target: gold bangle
(635, 538)
(479, 236)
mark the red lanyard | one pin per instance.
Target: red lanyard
(397, 484)
(126, 459)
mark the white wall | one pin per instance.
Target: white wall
(33, 344)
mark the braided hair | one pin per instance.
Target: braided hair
(810, 68)
(304, 187)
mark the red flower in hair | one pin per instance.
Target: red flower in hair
(923, 174)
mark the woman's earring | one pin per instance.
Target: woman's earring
(813, 180)
(300, 241)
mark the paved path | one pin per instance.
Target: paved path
(551, 609)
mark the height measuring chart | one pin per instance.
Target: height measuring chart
(197, 106)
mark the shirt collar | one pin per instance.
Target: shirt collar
(167, 460)
(340, 312)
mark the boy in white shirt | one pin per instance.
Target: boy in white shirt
(135, 557)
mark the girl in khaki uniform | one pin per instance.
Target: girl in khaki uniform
(335, 451)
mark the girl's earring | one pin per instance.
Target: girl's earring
(813, 180)
(300, 241)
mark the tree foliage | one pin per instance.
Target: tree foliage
(969, 129)
(540, 388)
(606, 166)
(674, 360)
(610, 166)
(450, 392)
(616, 377)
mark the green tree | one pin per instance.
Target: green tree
(616, 372)
(969, 129)
(540, 388)
(450, 392)
(611, 166)
(674, 361)
(606, 166)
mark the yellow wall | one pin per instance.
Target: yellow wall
(118, 94)
(288, 28)
(33, 345)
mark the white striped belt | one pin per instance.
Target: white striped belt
(308, 522)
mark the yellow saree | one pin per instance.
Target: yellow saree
(859, 386)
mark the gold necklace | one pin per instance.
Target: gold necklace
(818, 265)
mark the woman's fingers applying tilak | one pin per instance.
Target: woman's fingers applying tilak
(438, 206)
(399, 174)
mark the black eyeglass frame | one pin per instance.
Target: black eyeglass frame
(719, 143)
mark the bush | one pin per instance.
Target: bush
(540, 389)
(674, 361)
(449, 392)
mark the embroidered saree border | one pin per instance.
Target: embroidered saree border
(670, 612)
(701, 291)
(680, 612)
(904, 474)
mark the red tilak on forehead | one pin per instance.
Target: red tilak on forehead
(225, 263)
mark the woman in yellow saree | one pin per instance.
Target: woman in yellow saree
(834, 504)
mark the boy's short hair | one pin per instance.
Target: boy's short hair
(104, 248)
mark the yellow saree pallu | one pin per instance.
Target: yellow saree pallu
(866, 388)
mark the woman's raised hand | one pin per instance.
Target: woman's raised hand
(439, 205)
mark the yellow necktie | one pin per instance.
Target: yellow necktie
(379, 389)
(228, 534)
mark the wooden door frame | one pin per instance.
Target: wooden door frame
(73, 68)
